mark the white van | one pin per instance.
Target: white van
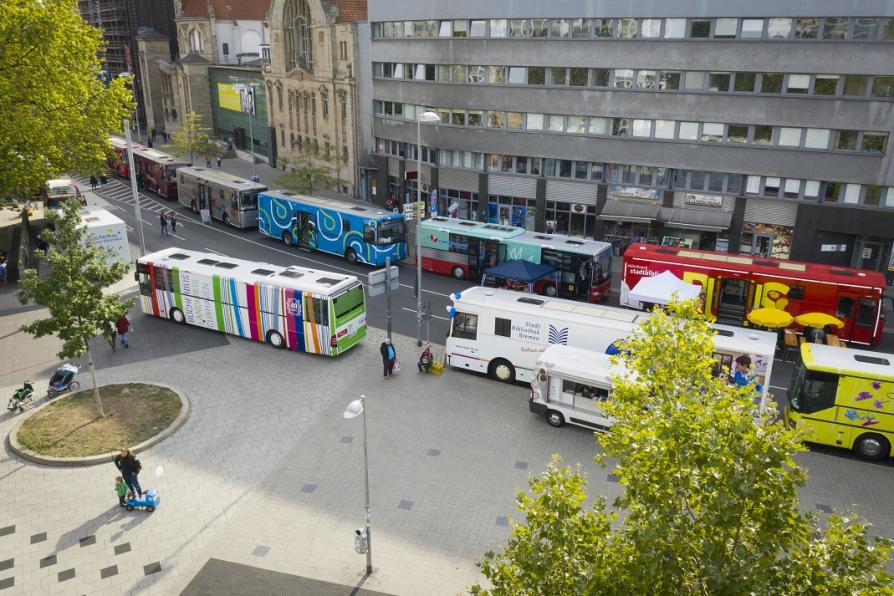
(570, 386)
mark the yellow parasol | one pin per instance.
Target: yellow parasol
(771, 318)
(818, 320)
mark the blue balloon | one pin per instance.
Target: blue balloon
(457, 295)
(451, 312)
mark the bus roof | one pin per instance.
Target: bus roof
(563, 243)
(476, 229)
(120, 143)
(223, 178)
(577, 362)
(158, 156)
(760, 265)
(368, 211)
(845, 361)
(293, 277)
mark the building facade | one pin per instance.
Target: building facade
(730, 126)
(312, 86)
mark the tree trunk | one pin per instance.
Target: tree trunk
(95, 386)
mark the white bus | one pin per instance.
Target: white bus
(502, 333)
(231, 199)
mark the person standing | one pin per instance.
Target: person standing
(93, 182)
(122, 325)
(173, 219)
(163, 222)
(130, 470)
(219, 160)
(121, 489)
(208, 161)
(389, 355)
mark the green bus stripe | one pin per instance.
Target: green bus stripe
(178, 298)
(218, 303)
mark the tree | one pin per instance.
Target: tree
(193, 138)
(304, 174)
(710, 501)
(57, 114)
(72, 291)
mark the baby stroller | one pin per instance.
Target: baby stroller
(63, 380)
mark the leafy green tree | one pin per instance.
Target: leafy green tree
(710, 501)
(304, 174)
(193, 138)
(72, 291)
(56, 113)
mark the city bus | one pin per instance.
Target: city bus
(733, 285)
(359, 233)
(844, 398)
(228, 198)
(305, 310)
(158, 169)
(501, 333)
(462, 248)
(117, 161)
(584, 266)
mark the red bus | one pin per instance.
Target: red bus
(118, 161)
(159, 170)
(733, 285)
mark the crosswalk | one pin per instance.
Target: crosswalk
(118, 193)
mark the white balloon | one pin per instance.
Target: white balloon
(159, 471)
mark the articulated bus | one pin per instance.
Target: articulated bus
(733, 285)
(117, 162)
(502, 333)
(359, 233)
(845, 398)
(158, 169)
(464, 249)
(228, 198)
(301, 309)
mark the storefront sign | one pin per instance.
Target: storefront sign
(634, 192)
(704, 200)
(834, 248)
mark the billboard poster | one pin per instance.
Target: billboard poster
(228, 97)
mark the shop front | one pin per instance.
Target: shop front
(512, 200)
(629, 221)
(767, 228)
(571, 208)
(698, 221)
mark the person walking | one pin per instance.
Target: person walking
(389, 356)
(111, 335)
(163, 222)
(122, 326)
(208, 161)
(93, 182)
(130, 470)
(103, 180)
(172, 217)
(219, 160)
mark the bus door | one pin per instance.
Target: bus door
(306, 231)
(859, 316)
(733, 299)
(201, 196)
(482, 254)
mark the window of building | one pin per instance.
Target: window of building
(694, 80)
(874, 142)
(866, 28)
(496, 119)
(599, 126)
(797, 83)
(445, 29)
(771, 83)
(646, 79)
(674, 28)
(806, 28)
(688, 131)
(474, 118)
(836, 27)
(725, 28)
(699, 29)
(297, 35)
(831, 192)
(599, 77)
(536, 75)
(517, 75)
(846, 140)
(744, 82)
(623, 78)
(852, 193)
(712, 132)
(478, 28)
(196, 43)
(498, 27)
(558, 76)
(603, 27)
(521, 165)
(855, 85)
(497, 75)
(883, 87)
(817, 138)
(791, 189)
(577, 77)
(872, 195)
(697, 180)
(560, 28)
(577, 125)
(515, 120)
(719, 81)
(779, 28)
(763, 135)
(324, 100)
(535, 122)
(627, 28)
(771, 186)
(664, 129)
(620, 127)
(460, 28)
(752, 28)
(580, 28)
(737, 133)
(651, 28)
(556, 123)
(887, 31)
(789, 137)
(642, 128)
(825, 84)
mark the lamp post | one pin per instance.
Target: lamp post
(428, 118)
(133, 187)
(354, 409)
(242, 88)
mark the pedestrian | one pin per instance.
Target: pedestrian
(219, 160)
(111, 335)
(149, 142)
(103, 180)
(163, 221)
(208, 161)
(121, 489)
(122, 326)
(230, 143)
(130, 470)
(425, 359)
(173, 219)
(93, 182)
(389, 357)
(139, 181)
(153, 133)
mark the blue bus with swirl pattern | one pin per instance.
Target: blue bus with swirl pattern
(359, 233)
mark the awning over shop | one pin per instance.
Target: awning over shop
(696, 219)
(615, 210)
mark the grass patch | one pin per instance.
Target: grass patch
(69, 427)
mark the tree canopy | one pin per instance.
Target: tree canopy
(303, 175)
(193, 138)
(710, 502)
(57, 114)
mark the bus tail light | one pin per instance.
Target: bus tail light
(333, 342)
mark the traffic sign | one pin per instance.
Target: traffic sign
(376, 280)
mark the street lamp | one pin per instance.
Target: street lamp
(354, 409)
(428, 118)
(133, 187)
(244, 88)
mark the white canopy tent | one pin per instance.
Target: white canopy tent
(660, 288)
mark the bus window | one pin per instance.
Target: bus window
(145, 286)
(321, 311)
(369, 235)
(845, 308)
(458, 244)
(564, 262)
(248, 201)
(465, 326)
(234, 199)
(345, 304)
(866, 312)
(502, 327)
(391, 232)
(812, 391)
(602, 272)
(160, 279)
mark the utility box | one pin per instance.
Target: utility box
(108, 232)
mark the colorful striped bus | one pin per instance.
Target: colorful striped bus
(301, 309)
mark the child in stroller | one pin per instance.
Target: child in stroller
(63, 380)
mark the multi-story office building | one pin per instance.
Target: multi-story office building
(759, 127)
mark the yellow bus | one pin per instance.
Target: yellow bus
(844, 398)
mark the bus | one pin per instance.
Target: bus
(304, 310)
(502, 333)
(228, 198)
(462, 248)
(359, 233)
(584, 266)
(158, 169)
(844, 398)
(117, 161)
(55, 192)
(733, 285)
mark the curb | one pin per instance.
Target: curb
(92, 460)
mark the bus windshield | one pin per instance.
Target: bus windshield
(390, 232)
(248, 201)
(602, 272)
(812, 391)
(347, 304)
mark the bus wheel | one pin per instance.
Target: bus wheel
(351, 256)
(226, 219)
(550, 290)
(192, 205)
(177, 315)
(555, 418)
(872, 446)
(276, 340)
(502, 371)
(458, 272)
(287, 238)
